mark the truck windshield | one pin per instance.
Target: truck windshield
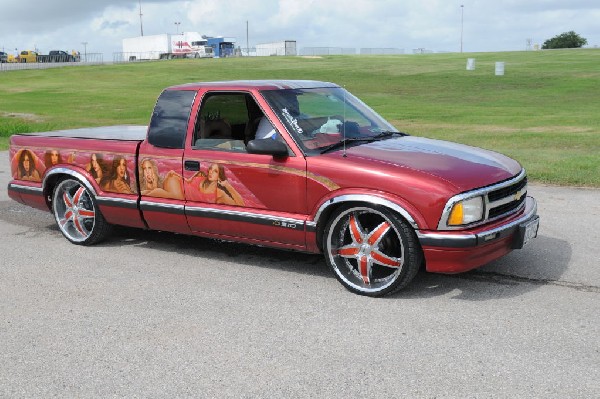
(320, 117)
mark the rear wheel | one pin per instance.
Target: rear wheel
(77, 213)
(371, 250)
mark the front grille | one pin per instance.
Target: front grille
(506, 208)
(507, 191)
(507, 199)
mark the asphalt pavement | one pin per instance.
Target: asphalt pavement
(150, 314)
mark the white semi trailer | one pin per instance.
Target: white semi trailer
(166, 46)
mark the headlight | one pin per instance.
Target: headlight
(466, 211)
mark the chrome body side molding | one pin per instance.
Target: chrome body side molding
(248, 217)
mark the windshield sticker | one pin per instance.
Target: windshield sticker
(292, 121)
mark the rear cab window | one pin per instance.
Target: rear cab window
(169, 122)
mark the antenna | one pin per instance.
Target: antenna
(462, 14)
(141, 25)
(344, 124)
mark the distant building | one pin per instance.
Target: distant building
(284, 47)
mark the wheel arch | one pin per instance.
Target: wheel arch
(55, 175)
(324, 211)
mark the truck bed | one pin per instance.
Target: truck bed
(103, 157)
(121, 133)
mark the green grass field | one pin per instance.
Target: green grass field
(545, 110)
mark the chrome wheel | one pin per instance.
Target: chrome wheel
(371, 251)
(76, 213)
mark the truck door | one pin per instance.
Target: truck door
(159, 164)
(233, 194)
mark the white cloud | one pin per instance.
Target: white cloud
(432, 24)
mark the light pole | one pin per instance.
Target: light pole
(177, 26)
(84, 51)
(462, 9)
(141, 25)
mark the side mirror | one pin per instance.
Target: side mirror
(267, 147)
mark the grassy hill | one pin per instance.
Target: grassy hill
(544, 111)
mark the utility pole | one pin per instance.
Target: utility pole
(141, 25)
(177, 26)
(247, 42)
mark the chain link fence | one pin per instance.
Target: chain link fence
(83, 59)
(121, 57)
(320, 51)
(381, 51)
(313, 51)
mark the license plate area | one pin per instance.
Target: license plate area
(527, 231)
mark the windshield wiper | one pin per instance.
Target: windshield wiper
(360, 140)
(388, 133)
(347, 141)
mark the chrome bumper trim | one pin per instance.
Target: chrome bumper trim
(25, 189)
(448, 240)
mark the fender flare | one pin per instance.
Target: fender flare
(53, 174)
(367, 198)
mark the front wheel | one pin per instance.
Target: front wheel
(77, 213)
(371, 250)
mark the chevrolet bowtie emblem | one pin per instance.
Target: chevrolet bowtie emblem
(519, 194)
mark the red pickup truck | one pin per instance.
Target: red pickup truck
(300, 165)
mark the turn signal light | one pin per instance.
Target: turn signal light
(466, 211)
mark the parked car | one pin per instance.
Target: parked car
(3, 57)
(27, 56)
(297, 165)
(57, 56)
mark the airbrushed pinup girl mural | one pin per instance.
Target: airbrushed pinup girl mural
(26, 166)
(153, 185)
(118, 181)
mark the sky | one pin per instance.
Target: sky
(434, 25)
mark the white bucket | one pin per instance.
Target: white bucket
(499, 68)
(470, 64)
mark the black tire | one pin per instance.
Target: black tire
(371, 250)
(77, 214)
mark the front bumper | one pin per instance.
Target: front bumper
(458, 251)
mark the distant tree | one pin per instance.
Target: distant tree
(565, 40)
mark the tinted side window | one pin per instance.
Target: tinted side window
(222, 122)
(169, 121)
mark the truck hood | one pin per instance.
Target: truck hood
(463, 166)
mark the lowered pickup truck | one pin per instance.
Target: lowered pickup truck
(300, 165)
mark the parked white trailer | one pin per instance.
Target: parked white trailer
(284, 47)
(166, 46)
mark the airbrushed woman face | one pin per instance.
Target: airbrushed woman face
(213, 172)
(121, 168)
(26, 162)
(148, 171)
(53, 157)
